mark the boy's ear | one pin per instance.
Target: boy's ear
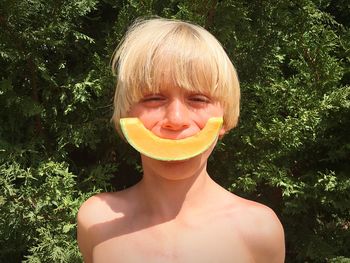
(222, 132)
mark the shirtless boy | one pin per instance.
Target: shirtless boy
(174, 76)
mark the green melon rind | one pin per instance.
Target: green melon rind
(162, 153)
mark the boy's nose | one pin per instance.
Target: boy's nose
(177, 116)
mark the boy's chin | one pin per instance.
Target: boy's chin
(170, 162)
(182, 161)
(178, 161)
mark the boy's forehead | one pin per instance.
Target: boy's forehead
(168, 82)
(169, 77)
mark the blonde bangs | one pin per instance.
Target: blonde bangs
(184, 63)
(159, 54)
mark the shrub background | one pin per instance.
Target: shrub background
(291, 150)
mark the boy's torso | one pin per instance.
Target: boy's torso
(210, 241)
(212, 235)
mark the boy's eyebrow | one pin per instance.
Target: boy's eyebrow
(151, 94)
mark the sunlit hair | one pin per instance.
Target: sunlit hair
(160, 53)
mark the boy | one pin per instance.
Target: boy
(174, 76)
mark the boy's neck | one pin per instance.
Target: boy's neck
(167, 199)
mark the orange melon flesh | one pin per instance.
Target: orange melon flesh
(147, 143)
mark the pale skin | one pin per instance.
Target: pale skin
(177, 213)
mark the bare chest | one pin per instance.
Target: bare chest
(164, 243)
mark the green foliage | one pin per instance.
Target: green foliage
(39, 206)
(57, 147)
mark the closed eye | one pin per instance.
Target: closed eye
(153, 100)
(199, 99)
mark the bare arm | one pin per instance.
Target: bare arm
(271, 247)
(265, 235)
(84, 221)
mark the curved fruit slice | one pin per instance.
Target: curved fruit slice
(158, 148)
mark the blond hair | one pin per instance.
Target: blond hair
(188, 54)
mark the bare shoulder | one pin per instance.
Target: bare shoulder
(261, 230)
(95, 218)
(101, 207)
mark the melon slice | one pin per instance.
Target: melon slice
(147, 143)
